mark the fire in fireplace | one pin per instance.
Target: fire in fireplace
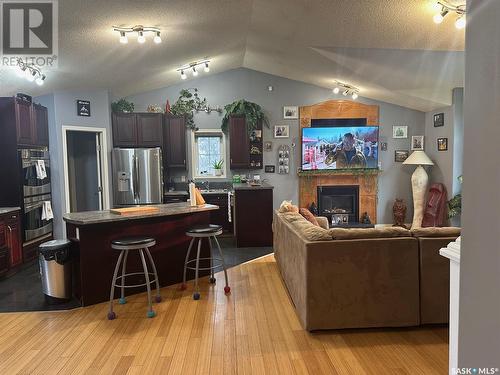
(338, 199)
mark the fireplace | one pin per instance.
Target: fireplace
(339, 199)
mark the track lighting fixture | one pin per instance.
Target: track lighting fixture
(31, 72)
(140, 31)
(346, 89)
(442, 7)
(193, 67)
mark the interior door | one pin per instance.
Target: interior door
(99, 171)
(149, 175)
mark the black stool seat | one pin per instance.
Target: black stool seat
(132, 241)
(205, 229)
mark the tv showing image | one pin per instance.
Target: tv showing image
(353, 147)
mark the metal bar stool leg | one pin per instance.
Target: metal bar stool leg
(158, 296)
(111, 313)
(196, 294)
(183, 285)
(151, 313)
(212, 273)
(122, 300)
(227, 289)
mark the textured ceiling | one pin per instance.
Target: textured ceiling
(391, 49)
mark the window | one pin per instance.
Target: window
(208, 149)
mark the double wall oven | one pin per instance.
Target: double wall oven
(35, 192)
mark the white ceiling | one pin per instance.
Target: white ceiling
(390, 49)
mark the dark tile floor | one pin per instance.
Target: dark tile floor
(23, 291)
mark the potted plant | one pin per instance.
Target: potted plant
(253, 114)
(123, 106)
(218, 167)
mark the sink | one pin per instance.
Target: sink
(214, 191)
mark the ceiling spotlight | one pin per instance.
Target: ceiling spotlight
(354, 95)
(141, 38)
(443, 7)
(460, 22)
(206, 69)
(193, 66)
(336, 90)
(183, 75)
(157, 38)
(345, 93)
(195, 72)
(30, 75)
(40, 79)
(123, 37)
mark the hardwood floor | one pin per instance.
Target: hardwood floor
(252, 331)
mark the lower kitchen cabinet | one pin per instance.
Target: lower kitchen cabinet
(11, 253)
(4, 261)
(219, 216)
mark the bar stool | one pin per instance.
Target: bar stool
(141, 244)
(210, 232)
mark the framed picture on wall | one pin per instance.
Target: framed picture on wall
(281, 131)
(442, 144)
(268, 146)
(401, 155)
(400, 131)
(417, 143)
(290, 112)
(383, 146)
(438, 120)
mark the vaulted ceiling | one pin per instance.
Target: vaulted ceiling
(390, 49)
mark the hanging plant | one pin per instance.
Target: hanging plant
(122, 105)
(188, 102)
(253, 114)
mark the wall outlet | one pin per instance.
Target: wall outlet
(183, 178)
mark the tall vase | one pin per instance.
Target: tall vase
(419, 182)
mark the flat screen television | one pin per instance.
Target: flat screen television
(353, 147)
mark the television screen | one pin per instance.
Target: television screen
(339, 148)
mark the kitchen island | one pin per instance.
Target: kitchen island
(92, 232)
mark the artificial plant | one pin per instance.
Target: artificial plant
(218, 164)
(122, 105)
(188, 102)
(253, 114)
(455, 203)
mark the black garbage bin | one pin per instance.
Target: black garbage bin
(55, 270)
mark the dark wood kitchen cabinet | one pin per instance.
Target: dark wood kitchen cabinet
(10, 241)
(31, 121)
(175, 142)
(239, 143)
(219, 216)
(245, 148)
(137, 129)
(41, 120)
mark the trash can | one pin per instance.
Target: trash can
(55, 270)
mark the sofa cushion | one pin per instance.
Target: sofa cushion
(436, 232)
(310, 231)
(308, 216)
(362, 233)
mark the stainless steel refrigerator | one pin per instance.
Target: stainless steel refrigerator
(137, 176)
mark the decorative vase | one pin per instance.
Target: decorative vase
(419, 182)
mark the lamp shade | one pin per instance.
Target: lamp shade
(418, 158)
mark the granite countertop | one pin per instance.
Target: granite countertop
(176, 192)
(171, 209)
(246, 186)
(8, 210)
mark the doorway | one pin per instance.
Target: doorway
(85, 165)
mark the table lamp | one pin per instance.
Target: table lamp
(419, 182)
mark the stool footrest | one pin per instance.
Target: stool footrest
(135, 285)
(217, 262)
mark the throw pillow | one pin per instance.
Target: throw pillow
(309, 216)
(287, 206)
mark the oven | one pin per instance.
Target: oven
(34, 225)
(32, 185)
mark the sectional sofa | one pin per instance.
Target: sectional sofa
(359, 278)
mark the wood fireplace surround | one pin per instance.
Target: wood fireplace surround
(366, 179)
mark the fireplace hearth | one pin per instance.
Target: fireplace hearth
(338, 199)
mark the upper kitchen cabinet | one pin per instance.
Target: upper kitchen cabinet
(29, 120)
(245, 148)
(175, 142)
(239, 143)
(137, 129)
(41, 125)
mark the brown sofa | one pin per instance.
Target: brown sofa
(357, 282)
